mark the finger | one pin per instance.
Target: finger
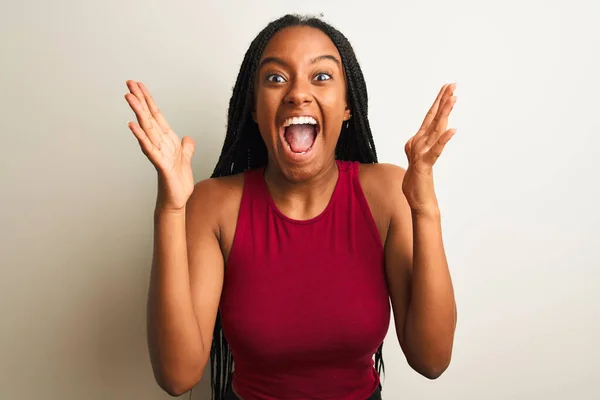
(144, 119)
(440, 123)
(135, 89)
(156, 113)
(433, 115)
(433, 110)
(145, 143)
(408, 148)
(449, 92)
(436, 150)
(188, 147)
(419, 145)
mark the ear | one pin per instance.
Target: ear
(347, 114)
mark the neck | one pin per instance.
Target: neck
(303, 199)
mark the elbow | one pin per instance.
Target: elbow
(433, 368)
(173, 391)
(177, 383)
(433, 372)
(176, 374)
(429, 358)
(175, 387)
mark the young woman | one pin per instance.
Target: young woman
(295, 248)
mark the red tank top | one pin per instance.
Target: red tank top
(305, 303)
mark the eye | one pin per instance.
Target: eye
(322, 77)
(275, 78)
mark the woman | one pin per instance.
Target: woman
(300, 241)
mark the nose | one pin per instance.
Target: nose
(299, 93)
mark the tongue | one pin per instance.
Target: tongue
(300, 137)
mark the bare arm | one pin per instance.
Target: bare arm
(185, 287)
(419, 282)
(187, 266)
(417, 271)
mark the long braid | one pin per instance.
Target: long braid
(244, 149)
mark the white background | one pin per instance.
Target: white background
(518, 184)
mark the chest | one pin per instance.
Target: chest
(229, 224)
(301, 289)
(305, 293)
(304, 290)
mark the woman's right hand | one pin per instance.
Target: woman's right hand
(171, 156)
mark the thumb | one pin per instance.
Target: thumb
(188, 147)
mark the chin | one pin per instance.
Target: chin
(302, 167)
(296, 166)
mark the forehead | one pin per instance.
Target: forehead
(299, 44)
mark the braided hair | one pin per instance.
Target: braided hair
(245, 149)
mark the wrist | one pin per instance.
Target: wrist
(162, 211)
(427, 212)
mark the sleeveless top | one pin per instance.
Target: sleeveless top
(305, 303)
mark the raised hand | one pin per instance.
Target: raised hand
(423, 150)
(170, 156)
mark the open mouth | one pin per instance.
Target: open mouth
(300, 133)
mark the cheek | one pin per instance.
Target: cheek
(335, 101)
(266, 107)
(334, 108)
(265, 113)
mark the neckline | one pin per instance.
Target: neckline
(314, 219)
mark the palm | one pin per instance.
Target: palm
(425, 147)
(170, 156)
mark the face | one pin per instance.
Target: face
(300, 101)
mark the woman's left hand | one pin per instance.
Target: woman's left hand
(423, 150)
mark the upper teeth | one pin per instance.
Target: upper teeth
(299, 121)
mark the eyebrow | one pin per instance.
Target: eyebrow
(281, 62)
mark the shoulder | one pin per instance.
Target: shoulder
(380, 173)
(382, 187)
(382, 182)
(214, 199)
(217, 189)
